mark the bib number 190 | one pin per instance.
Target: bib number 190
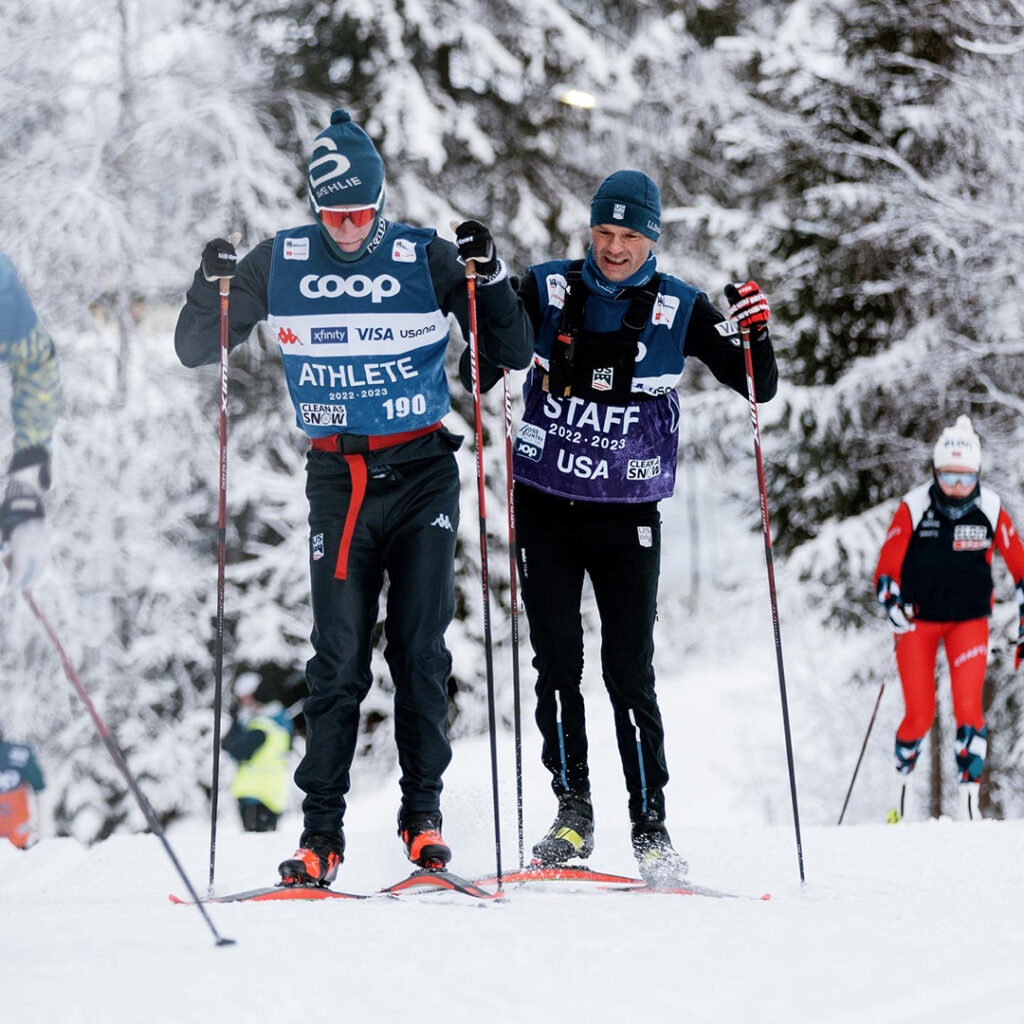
(399, 408)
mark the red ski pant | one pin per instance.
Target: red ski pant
(967, 654)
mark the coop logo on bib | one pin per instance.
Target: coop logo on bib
(530, 441)
(358, 286)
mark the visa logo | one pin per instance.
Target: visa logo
(375, 333)
(329, 335)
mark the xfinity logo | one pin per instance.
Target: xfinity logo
(329, 335)
(358, 286)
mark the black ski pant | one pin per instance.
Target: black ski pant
(406, 528)
(619, 547)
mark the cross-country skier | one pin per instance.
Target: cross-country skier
(594, 454)
(28, 350)
(934, 579)
(358, 305)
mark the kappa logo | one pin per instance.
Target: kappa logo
(286, 336)
(358, 286)
(444, 522)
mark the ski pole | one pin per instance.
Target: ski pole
(863, 747)
(222, 525)
(119, 760)
(732, 295)
(514, 601)
(474, 349)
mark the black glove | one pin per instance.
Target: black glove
(219, 260)
(748, 306)
(22, 530)
(899, 613)
(475, 243)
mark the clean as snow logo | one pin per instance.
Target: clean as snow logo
(358, 286)
(444, 522)
(643, 469)
(316, 414)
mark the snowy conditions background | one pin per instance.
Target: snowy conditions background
(913, 923)
(860, 158)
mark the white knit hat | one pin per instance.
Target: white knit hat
(958, 447)
(246, 684)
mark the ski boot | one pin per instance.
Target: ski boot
(421, 833)
(660, 866)
(571, 833)
(316, 861)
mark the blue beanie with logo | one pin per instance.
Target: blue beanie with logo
(345, 168)
(629, 199)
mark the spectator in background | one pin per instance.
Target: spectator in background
(20, 778)
(259, 740)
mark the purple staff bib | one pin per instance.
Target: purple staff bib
(593, 452)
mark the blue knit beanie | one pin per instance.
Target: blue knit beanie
(629, 199)
(345, 168)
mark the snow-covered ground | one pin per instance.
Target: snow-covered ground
(919, 922)
(914, 923)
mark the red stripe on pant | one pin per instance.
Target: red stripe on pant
(357, 470)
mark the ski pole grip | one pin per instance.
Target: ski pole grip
(224, 283)
(470, 264)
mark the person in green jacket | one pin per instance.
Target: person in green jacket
(259, 740)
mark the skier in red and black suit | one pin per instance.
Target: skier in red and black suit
(934, 578)
(359, 307)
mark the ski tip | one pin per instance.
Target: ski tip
(765, 896)
(225, 942)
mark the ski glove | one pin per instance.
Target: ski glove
(22, 526)
(219, 260)
(899, 613)
(747, 305)
(1019, 656)
(475, 243)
